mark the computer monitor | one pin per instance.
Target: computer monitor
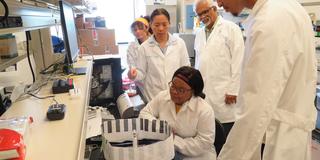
(69, 32)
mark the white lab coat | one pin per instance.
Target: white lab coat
(277, 87)
(194, 124)
(132, 53)
(155, 69)
(219, 60)
(132, 58)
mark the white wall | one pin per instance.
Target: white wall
(119, 15)
(182, 4)
(139, 8)
(165, 2)
(312, 7)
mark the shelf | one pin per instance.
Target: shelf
(5, 63)
(34, 15)
(310, 3)
(21, 29)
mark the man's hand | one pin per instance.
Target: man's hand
(230, 99)
(132, 73)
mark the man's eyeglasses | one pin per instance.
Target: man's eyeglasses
(178, 90)
(205, 12)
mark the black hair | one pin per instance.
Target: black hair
(193, 78)
(148, 19)
(160, 11)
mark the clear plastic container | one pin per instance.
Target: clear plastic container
(18, 124)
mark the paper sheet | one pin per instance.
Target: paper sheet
(94, 125)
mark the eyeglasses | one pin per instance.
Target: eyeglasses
(205, 12)
(178, 90)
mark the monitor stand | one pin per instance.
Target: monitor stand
(79, 71)
(76, 71)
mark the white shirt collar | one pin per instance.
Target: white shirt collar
(172, 40)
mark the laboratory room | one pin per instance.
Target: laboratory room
(160, 80)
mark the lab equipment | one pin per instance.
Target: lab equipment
(137, 139)
(56, 112)
(126, 108)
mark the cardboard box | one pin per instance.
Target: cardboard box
(75, 2)
(80, 21)
(91, 19)
(97, 21)
(89, 25)
(97, 41)
(8, 47)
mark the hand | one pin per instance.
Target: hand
(132, 73)
(173, 133)
(230, 99)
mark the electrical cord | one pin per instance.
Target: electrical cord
(33, 95)
(54, 66)
(6, 11)
(28, 37)
(53, 97)
(37, 90)
(28, 90)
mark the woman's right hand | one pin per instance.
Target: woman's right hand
(132, 73)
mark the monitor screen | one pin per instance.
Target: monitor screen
(69, 32)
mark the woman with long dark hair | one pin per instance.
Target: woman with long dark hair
(159, 57)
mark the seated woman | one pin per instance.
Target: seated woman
(191, 118)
